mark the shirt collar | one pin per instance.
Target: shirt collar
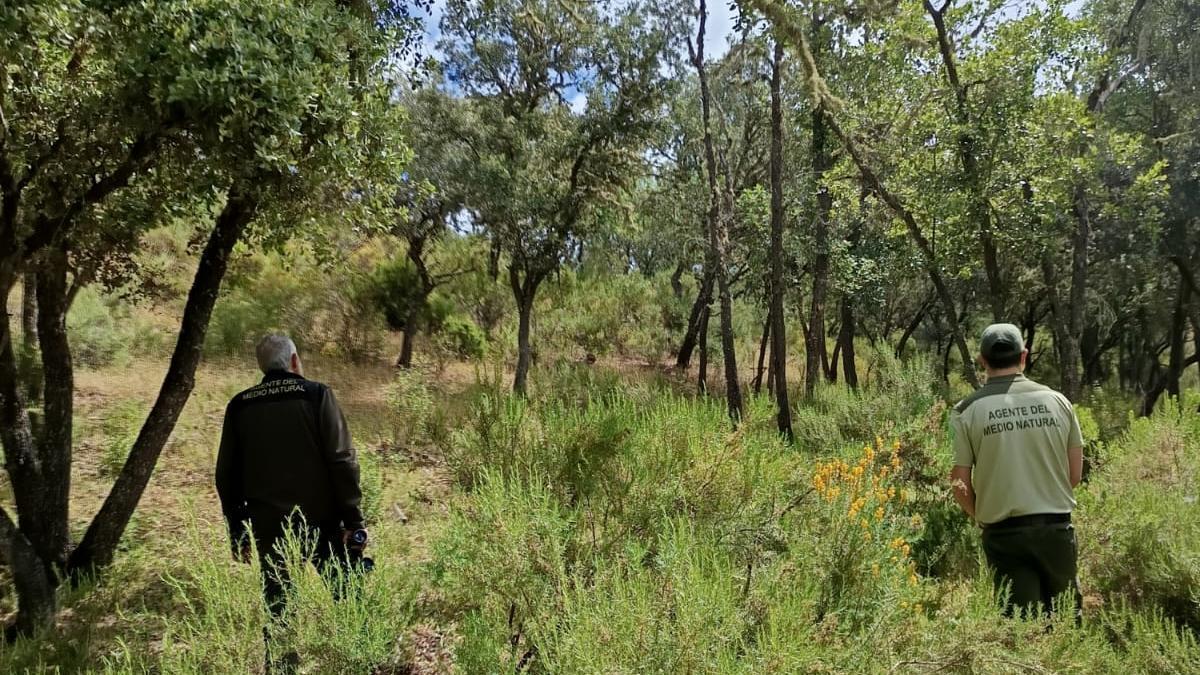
(279, 374)
(1015, 377)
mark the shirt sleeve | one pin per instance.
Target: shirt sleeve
(964, 454)
(341, 461)
(228, 477)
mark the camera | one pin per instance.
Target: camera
(355, 544)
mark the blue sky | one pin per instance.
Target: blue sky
(716, 43)
(720, 26)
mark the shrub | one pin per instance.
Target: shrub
(99, 330)
(329, 311)
(459, 336)
(502, 560)
(220, 626)
(410, 405)
(121, 426)
(1141, 525)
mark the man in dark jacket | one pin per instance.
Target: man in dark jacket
(286, 458)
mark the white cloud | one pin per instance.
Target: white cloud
(578, 103)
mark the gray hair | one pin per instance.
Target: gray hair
(275, 352)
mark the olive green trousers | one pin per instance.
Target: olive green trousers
(1033, 566)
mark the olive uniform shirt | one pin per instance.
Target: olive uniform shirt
(1015, 433)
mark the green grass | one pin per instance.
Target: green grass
(611, 524)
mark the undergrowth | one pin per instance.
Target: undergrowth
(604, 525)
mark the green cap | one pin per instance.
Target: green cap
(1001, 341)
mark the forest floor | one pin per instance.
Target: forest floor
(181, 495)
(150, 609)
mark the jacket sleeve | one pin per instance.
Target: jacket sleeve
(229, 481)
(341, 461)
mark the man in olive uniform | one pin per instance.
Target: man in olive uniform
(1018, 455)
(286, 458)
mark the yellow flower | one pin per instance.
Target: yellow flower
(912, 580)
(891, 492)
(864, 523)
(879, 442)
(879, 513)
(875, 570)
(905, 549)
(896, 445)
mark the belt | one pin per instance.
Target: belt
(1030, 520)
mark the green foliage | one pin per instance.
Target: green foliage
(121, 426)
(1142, 524)
(460, 337)
(395, 289)
(105, 332)
(647, 538)
(893, 393)
(626, 314)
(220, 628)
(410, 407)
(95, 340)
(326, 311)
(371, 484)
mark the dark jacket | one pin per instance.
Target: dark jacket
(285, 446)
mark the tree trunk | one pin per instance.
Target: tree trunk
(1029, 330)
(776, 315)
(846, 341)
(406, 344)
(412, 322)
(524, 292)
(703, 299)
(911, 328)
(676, 281)
(1090, 352)
(831, 368)
(1178, 338)
(822, 160)
(762, 356)
(702, 376)
(33, 579)
(1072, 378)
(30, 373)
(39, 466)
(100, 541)
(29, 310)
(43, 509)
(37, 603)
(718, 235)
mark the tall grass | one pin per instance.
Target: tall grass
(604, 526)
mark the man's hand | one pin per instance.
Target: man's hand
(350, 544)
(964, 492)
